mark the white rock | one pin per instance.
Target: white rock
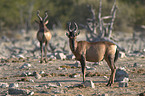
(52, 57)
(60, 56)
(70, 56)
(77, 64)
(26, 65)
(13, 85)
(31, 93)
(20, 56)
(28, 73)
(52, 85)
(105, 77)
(41, 72)
(24, 74)
(38, 76)
(31, 80)
(4, 85)
(87, 67)
(122, 55)
(89, 83)
(76, 75)
(58, 84)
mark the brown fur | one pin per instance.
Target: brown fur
(43, 36)
(93, 52)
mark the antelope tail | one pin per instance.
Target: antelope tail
(116, 55)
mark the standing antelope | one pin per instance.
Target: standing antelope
(43, 35)
(93, 52)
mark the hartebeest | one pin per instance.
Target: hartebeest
(93, 52)
(43, 35)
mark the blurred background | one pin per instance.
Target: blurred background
(21, 14)
(18, 17)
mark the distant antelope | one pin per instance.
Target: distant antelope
(43, 35)
(93, 52)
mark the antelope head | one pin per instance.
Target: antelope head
(42, 21)
(72, 34)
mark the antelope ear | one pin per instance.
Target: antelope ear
(46, 22)
(77, 33)
(67, 34)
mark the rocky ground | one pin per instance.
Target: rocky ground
(22, 74)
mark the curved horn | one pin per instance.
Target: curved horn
(46, 15)
(39, 15)
(76, 27)
(69, 27)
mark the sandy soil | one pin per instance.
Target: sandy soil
(10, 72)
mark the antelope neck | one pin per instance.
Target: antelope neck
(44, 29)
(73, 44)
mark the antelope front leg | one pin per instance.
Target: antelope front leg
(83, 65)
(46, 44)
(41, 48)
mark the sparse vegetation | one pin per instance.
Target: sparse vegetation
(21, 14)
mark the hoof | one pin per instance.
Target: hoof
(109, 84)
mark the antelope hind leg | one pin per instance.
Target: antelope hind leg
(46, 44)
(110, 62)
(41, 48)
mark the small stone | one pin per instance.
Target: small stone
(41, 72)
(59, 68)
(52, 85)
(105, 94)
(58, 91)
(30, 80)
(70, 57)
(37, 75)
(75, 75)
(98, 63)
(20, 56)
(121, 74)
(13, 85)
(105, 77)
(77, 64)
(4, 85)
(122, 54)
(31, 93)
(52, 57)
(24, 74)
(26, 65)
(58, 84)
(135, 65)
(89, 83)
(29, 73)
(60, 56)
(87, 67)
(123, 84)
(92, 69)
